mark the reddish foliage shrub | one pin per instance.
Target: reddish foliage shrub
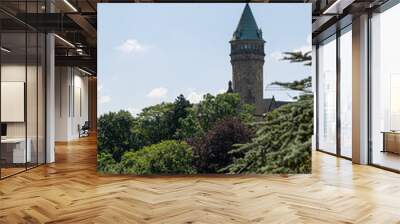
(212, 150)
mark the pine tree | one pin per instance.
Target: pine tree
(283, 140)
(298, 57)
(282, 143)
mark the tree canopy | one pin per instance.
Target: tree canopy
(282, 143)
(218, 134)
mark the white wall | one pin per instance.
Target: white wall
(17, 73)
(9, 73)
(33, 126)
(71, 102)
(62, 81)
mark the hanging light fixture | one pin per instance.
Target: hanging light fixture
(70, 5)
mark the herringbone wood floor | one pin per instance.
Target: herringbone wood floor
(70, 191)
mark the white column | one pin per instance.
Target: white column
(314, 89)
(63, 85)
(360, 90)
(50, 92)
(50, 99)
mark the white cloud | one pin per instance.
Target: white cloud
(99, 87)
(159, 92)
(104, 99)
(222, 91)
(132, 46)
(277, 55)
(133, 111)
(194, 97)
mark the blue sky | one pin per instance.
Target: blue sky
(150, 53)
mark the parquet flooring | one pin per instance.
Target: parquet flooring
(70, 191)
(11, 170)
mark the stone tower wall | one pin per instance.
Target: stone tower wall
(247, 59)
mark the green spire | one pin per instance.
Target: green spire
(247, 28)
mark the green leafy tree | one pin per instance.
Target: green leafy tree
(213, 108)
(156, 123)
(106, 164)
(114, 134)
(181, 106)
(189, 127)
(161, 121)
(121, 132)
(166, 157)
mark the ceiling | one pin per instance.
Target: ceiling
(75, 21)
(330, 15)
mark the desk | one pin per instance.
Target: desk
(391, 141)
(14, 150)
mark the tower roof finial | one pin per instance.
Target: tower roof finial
(230, 89)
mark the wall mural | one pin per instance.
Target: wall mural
(204, 88)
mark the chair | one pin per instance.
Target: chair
(84, 130)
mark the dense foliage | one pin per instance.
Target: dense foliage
(119, 132)
(160, 122)
(211, 150)
(114, 133)
(106, 164)
(211, 109)
(166, 157)
(219, 130)
(156, 123)
(282, 143)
